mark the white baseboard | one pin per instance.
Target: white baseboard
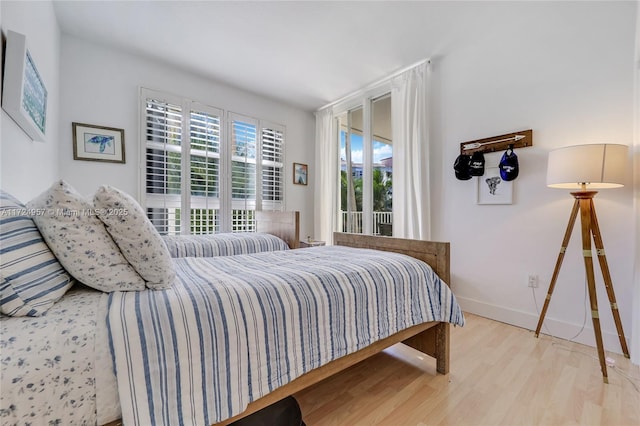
(529, 321)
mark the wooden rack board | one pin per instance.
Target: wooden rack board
(487, 144)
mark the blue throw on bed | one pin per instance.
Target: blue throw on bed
(234, 328)
(224, 244)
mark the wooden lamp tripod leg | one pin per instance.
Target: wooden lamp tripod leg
(556, 271)
(604, 267)
(585, 219)
(584, 204)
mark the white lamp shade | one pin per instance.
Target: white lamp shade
(598, 166)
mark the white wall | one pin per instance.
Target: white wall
(28, 167)
(565, 70)
(100, 86)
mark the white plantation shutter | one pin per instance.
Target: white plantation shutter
(205, 132)
(272, 167)
(244, 149)
(163, 163)
(186, 154)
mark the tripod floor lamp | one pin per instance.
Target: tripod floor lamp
(584, 168)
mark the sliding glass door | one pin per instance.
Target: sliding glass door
(366, 167)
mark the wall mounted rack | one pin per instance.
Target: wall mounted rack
(498, 143)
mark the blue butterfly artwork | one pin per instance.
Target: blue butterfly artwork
(103, 141)
(99, 143)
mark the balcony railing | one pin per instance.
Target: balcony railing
(206, 221)
(381, 222)
(168, 221)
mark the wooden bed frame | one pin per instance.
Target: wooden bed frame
(431, 338)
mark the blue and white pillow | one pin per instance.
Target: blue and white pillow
(135, 235)
(81, 243)
(32, 279)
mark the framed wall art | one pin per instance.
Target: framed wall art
(98, 143)
(492, 189)
(300, 172)
(24, 95)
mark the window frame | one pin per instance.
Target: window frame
(363, 100)
(224, 202)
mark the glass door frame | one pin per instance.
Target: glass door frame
(364, 99)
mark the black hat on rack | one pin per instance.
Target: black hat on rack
(461, 167)
(476, 165)
(509, 165)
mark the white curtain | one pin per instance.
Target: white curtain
(635, 309)
(327, 188)
(410, 121)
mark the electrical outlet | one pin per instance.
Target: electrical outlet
(532, 281)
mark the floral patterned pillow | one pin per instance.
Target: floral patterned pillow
(80, 241)
(138, 239)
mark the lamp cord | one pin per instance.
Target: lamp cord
(624, 374)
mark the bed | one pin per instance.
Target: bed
(58, 367)
(274, 231)
(232, 393)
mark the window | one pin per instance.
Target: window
(366, 166)
(184, 178)
(272, 167)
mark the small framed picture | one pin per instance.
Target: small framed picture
(300, 172)
(492, 189)
(98, 143)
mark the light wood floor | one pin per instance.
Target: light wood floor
(500, 375)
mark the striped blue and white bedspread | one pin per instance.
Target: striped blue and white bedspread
(234, 328)
(224, 244)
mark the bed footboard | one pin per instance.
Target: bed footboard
(435, 254)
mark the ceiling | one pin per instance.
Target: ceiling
(303, 53)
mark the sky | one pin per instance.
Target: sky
(380, 150)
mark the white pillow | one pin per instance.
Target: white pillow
(80, 241)
(138, 239)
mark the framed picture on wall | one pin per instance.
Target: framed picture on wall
(300, 172)
(492, 189)
(98, 143)
(24, 95)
